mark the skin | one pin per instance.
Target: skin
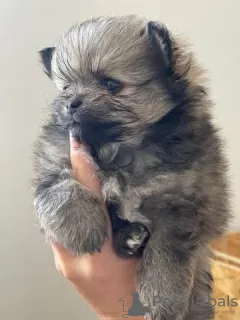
(103, 278)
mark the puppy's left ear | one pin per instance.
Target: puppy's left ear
(46, 59)
(161, 45)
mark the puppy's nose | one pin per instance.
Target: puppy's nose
(73, 105)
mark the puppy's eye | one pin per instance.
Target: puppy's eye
(112, 85)
(66, 87)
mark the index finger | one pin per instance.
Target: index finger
(82, 166)
(83, 170)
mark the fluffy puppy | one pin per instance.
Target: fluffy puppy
(135, 96)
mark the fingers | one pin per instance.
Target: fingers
(65, 262)
(58, 253)
(82, 166)
(72, 267)
(83, 171)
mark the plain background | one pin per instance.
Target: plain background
(30, 289)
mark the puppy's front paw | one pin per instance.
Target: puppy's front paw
(130, 240)
(71, 215)
(89, 240)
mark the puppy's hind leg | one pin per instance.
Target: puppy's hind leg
(200, 306)
(164, 282)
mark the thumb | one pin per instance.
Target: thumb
(83, 167)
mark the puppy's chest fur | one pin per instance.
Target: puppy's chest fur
(126, 189)
(127, 200)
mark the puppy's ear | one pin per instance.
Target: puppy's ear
(46, 59)
(161, 45)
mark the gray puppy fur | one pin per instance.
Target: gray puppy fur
(134, 94)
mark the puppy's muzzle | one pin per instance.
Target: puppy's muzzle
(74, 105)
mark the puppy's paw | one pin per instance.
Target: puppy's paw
(136, 238)
(130, 240)
(90, 240)
(71, 215)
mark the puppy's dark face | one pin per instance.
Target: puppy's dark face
(113, 76)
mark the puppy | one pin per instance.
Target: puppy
(134, 95)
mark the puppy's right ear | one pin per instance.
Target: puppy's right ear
(46, 59)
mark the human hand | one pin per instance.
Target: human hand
(103, 278)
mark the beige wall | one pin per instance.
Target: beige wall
(30, 289)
